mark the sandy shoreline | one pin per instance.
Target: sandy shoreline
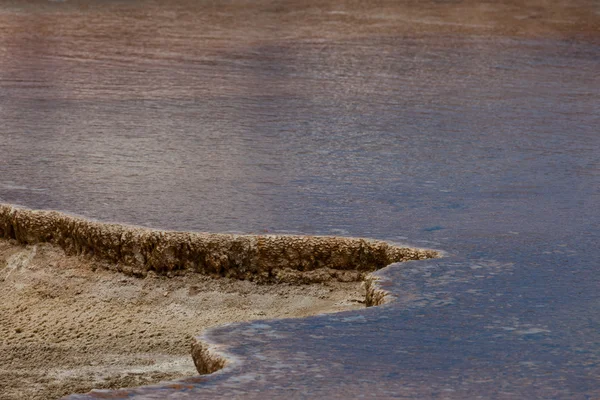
(86, 304)
(70, 325)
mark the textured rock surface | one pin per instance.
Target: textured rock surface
(268, 258)
(205, 360)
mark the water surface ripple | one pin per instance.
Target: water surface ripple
(466, 126)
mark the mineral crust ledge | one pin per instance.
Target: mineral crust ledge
(260, 258)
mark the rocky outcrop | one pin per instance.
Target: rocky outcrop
(374, 294)
(206, 360)
(261, 258)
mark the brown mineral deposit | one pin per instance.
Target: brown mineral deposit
(87, 305)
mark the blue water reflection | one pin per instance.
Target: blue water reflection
(485, 145)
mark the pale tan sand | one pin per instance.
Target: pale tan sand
(68, 324)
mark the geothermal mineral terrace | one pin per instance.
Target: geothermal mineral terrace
(86, 304)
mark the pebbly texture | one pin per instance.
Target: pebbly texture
(259, 258)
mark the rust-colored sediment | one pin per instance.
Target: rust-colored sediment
(259, 258)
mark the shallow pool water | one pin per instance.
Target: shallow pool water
(463, 126)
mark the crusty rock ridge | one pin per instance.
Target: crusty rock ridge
(261, 258)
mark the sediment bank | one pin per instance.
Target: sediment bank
(85, 304)
(258, 258)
